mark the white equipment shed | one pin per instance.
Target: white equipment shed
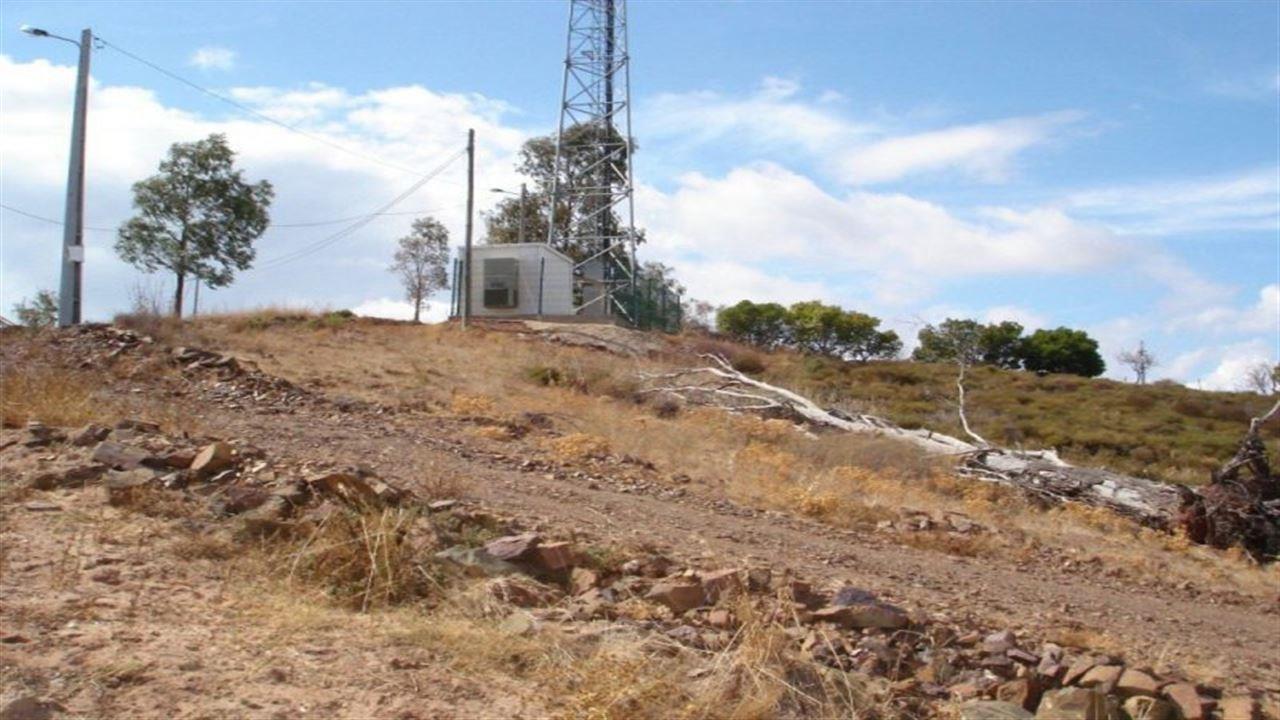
(517, 280)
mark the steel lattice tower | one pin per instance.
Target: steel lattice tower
(592, 183)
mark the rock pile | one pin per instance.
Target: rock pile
(996, 674)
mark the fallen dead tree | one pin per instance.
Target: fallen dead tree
(1040, 473)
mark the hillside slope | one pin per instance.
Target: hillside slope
(555, 435)
(1163, 431)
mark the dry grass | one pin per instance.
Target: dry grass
(629, 674)
(841, 479)
(577, 447)
(36, 386)
(365, 560)
(52, 395)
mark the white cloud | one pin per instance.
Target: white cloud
(768, 214)
(1249, 200)
(1262, 85)
(384, 307)
(1234, 363)
(985, 151)
(1261, 317)
(776, 118)
(213, 58)
(1028, 319)
(130, 131)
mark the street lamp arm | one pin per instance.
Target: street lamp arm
(37, 32)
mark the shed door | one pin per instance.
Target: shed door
(501, 277)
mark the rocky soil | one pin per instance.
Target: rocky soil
(99, 619)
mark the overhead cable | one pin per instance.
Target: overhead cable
(313, 223)
(352, 228)
(261, 116)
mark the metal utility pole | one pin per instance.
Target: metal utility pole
(597, 188)
(70, 290)
(471, 196)
(524, 196)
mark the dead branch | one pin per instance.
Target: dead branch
(964, 420)
(1039, 473)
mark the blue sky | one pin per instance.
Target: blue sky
(1112, 166)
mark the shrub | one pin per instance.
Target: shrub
(747, 362)
(367, 560)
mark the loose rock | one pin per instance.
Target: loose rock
(1072, 704)
(119, 456)
(212, 459)
(992, 710)
(680, 596)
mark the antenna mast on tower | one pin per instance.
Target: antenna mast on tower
(593, 204)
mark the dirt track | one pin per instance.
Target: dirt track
(1209, 633)
(1197, 632)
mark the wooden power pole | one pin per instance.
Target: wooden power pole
(471, 196)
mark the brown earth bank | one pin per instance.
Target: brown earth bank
(163, 589)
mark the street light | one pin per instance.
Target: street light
(524, 195)
(69, 291)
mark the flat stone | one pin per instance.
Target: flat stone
(553, 557)
(1072, 704)
(212, 459)
(870, 615)
(993, 710)
(1022, 656)
(1102, 677)
(722, 584)
(678, 595)
(476, 561)
(513, 547)
(849, 595)
(999, 642)
(39, 434)
(118, 456)
(141, 426)
(1024, 692)
(27, 708)
(1140, 707)
(66, 476)
(581, 580)
(1076, 670)
(1136, 682)
(720, 618)
(239, 499)
(178, 459)
(123, 486)
(1186, 699)
(42, 507)
(521, 591)
(89, 435)
(347, 488)
(1241, 707)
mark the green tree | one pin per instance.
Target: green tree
(1062, 350)
(537, 163)
(956, 340)
(42, 311)
(420, 262)
(1001, 344)
(762, 324)
(197, 218)
(952, 340)
(831, 330)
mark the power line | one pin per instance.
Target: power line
(313, 223)
(255, 113)
(352, 228)
(42, 218)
